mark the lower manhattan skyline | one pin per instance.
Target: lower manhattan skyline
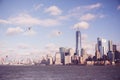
(36, 28)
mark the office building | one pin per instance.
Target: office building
(57, 58)
(71, 51)
(97, 53)
(67, 59)
(110, 46)
(84, 56)
(101, 43)
(62, 53)
(114, 48)
(75, 59)
(78, 43)
(49, 59)
(111, 49)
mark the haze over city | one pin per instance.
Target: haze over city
(34, 28)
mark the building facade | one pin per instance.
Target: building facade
(58, 59)
(110, 46)
(78, 43)
(101, 44)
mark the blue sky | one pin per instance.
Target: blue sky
(53, 24)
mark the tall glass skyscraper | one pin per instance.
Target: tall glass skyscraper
(110, 46)
(101, 46)
(62, 53)
(78, 43)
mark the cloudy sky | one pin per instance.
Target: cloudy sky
(37, 27)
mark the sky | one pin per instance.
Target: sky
(34, 28)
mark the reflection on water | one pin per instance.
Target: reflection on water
(59, 73)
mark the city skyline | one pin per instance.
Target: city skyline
(36, 28)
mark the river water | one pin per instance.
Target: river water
(59, 72)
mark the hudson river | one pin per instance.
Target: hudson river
(59, 72)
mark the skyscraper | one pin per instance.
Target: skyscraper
(84, 56)
(111, 54)
(57, 59)
(97, 53)
(78, 43)
(49, 59)
(71, 51)
(110, 47)
(62, 53)
(101, 46)
(114, 47)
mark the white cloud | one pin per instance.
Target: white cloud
(102, 16)
(53, 10)
(66, 17)
(93, 6)
(14, 31)
(2, 44)
(35, 51)
(84, 36)
(19, 30)
(49, 22)
(38, 6)
(30, 33)
(23, 46)
(27, 20)
(88, 17)
(89, 47)
(23, 19)
(55, 33)
(75, 10)
(85, 8)
(3, 21)
(118, 8)
(51, 47)
(81, 25)
(78, 11)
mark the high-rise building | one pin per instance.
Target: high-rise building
(57, 59)
(66, 55)
(62, 53)
(101, 43)
(111, 54)
(78, 43)
(114, 48)
(97, 53)
(110, 47)
(83, 52)
(49, 59)
(71, 51)
(84, 56)
(96, 47)
(67, 59)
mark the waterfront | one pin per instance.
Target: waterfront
(59, 72)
